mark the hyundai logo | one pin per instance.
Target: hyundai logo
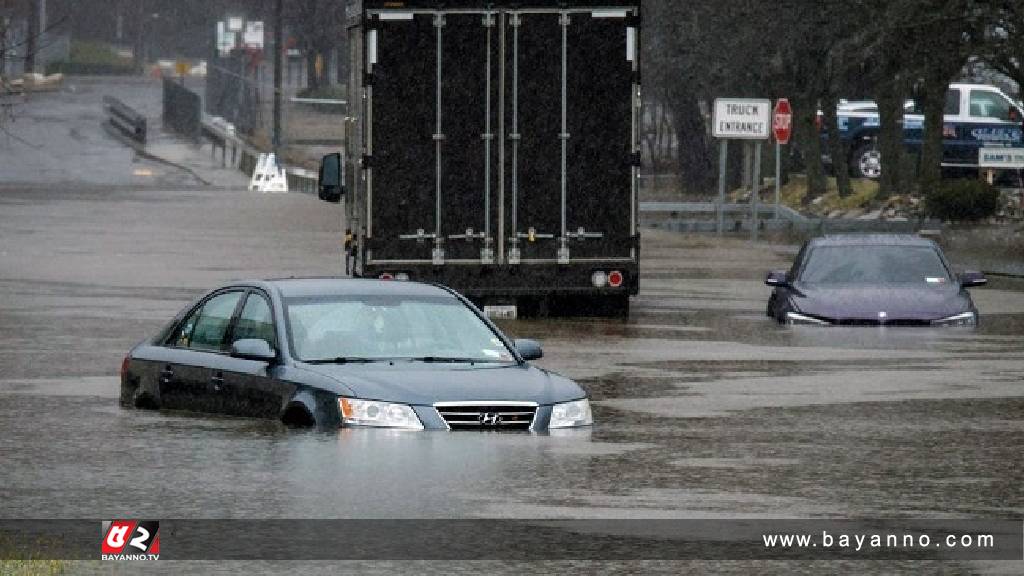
(490, 419)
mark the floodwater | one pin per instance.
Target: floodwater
(703, 406)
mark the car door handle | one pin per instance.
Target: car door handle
(217, 380)
(167, 373)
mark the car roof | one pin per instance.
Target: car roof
(872, 240)
(313, 287)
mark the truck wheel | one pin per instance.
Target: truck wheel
(866, 162)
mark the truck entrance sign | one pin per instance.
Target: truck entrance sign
(742, 119)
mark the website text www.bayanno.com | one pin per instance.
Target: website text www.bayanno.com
(858, 542)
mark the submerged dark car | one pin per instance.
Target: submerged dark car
(341, 352)
(872, 280)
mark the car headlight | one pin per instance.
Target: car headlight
(967, 319)
(794, 319)
(571, 414)
(355, 412)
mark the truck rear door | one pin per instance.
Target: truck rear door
(432, 120)
(499, 136)
(570, 144)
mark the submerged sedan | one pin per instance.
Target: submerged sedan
(872, 280)
(343, 352)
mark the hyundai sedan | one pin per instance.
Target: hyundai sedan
(352, 353)
(872, 280)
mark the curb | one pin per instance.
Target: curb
(141, 151)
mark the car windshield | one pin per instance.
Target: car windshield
(354, 328)
(874, 264)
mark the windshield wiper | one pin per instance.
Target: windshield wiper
(450, 360)
(344, 360)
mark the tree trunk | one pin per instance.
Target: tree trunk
(890, 139)
(695, 166)
(312, 78)
(805, 116)
(933, 101)
(837, 149)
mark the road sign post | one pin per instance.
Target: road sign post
(741, 119)
(755, 193)
(723, 158)
(782, 127)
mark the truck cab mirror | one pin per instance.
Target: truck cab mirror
(777, 278)
(329, 185)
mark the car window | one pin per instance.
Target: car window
(255, 322)
(952, 103)
(205, 329)
(874, 264)
(985, 104)
(390, 327)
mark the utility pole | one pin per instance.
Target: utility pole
(278, 66)
(140, 24)
(32, 34)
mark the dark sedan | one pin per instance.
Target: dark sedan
(345, 352)
(872, 280)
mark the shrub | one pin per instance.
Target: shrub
(92, 58)
(962, 201)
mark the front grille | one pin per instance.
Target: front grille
(490, 416)
(872, 322)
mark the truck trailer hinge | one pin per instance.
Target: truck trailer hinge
(437, 254)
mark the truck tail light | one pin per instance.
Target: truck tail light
(599, 279)
(124, 366)
(615, 278)
(393, 276)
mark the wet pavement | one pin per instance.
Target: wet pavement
(704, 407)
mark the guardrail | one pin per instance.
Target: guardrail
(301, 180)
(125, 119)
(700, 217)
(676, 208)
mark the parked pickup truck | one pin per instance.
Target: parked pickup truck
(977, 116)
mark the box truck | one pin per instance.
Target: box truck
(493, 147)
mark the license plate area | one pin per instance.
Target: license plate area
(501, 312)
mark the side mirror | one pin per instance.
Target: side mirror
(777, 278)
(329, 186)
(253, 349)
(529, 349)
(972, 279)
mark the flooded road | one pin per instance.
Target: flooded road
(704, 407)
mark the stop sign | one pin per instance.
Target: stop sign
(782, 121)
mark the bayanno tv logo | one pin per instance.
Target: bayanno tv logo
(130, 540)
